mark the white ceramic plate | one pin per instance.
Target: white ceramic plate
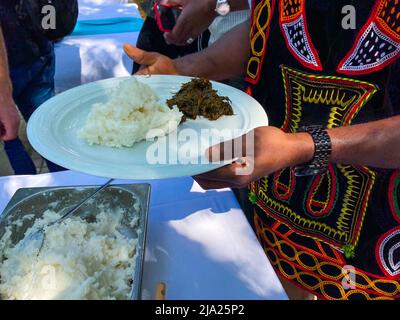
(53, 128)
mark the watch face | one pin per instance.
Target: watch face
(223, 9)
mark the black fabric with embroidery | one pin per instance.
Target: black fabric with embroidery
(312, 227)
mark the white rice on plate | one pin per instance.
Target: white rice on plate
(132, 114)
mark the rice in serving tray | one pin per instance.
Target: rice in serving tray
(133, 113)
(79, 260)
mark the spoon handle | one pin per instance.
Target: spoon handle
(79, 205)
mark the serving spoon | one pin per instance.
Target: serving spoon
(39, 235)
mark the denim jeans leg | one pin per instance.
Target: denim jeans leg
(5, 166)
(39, 89)
(20, 160)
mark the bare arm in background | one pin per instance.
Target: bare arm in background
(9, 117)
(223, 60)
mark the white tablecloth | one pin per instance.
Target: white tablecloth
(199, 243)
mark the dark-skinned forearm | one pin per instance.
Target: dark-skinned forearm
(224, 59)
(375, 144)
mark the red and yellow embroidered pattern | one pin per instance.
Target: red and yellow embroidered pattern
(378, 43)
(388, 15)
(283, 185)
(308, 94)
(331, 207)
(376, 46)
(259, 34)
(338, 230)
(293, 23)
(319, 207)
(317, 268)
(310, 226)
(291, 9)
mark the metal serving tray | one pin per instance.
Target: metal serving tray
(37, 200)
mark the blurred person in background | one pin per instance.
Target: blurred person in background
(198, 20)
(151, 38)
(9, 117)
(27, 67)
(198, 16)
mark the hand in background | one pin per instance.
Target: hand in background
(152, 62)
(9, 119)
(196, 17)
(9, 116)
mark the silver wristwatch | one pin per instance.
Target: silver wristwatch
(223, 8)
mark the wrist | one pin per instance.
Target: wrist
(179, 66)
(302, 148)
(6, 98)
(183, 66)
(5, 87)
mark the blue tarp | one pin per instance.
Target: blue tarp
(107, 26)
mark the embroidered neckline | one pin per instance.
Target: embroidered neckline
(376, 46)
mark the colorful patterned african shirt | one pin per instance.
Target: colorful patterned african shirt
(336, 235)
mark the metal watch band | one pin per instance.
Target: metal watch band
(323, 150)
